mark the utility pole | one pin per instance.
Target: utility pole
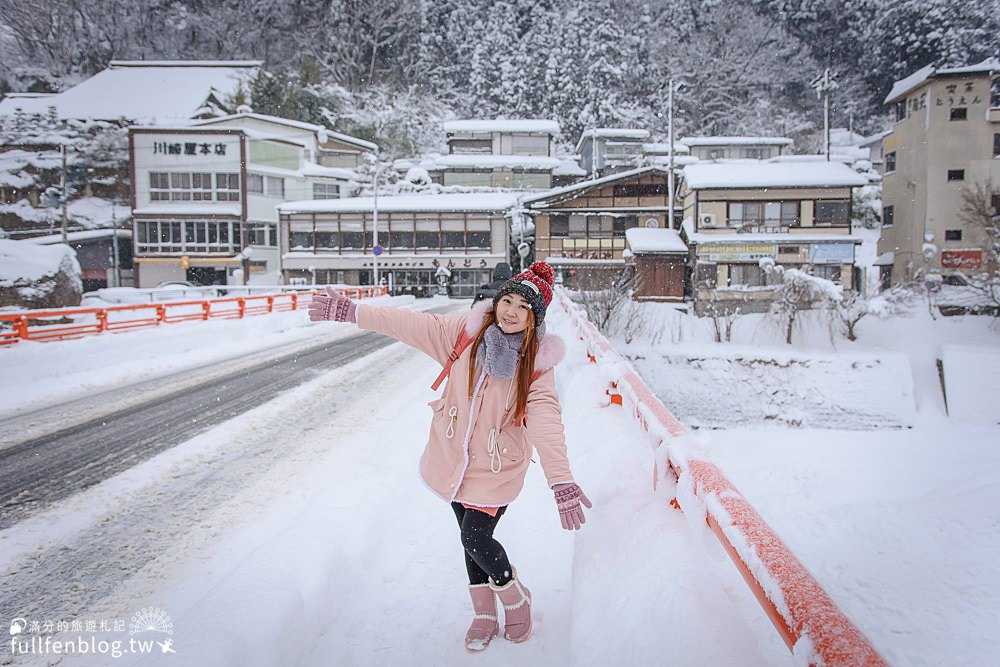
(375, 247)
(63, 195)
(117, 271)
(823, 85)
(670, 175)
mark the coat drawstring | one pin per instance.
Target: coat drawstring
(496, 464)
(453, 413)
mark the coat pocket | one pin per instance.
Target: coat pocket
(445, 417)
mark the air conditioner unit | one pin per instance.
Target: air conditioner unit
(706, 220)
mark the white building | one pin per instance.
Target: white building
(513, 154)
(736, 148)
(204, 195)
(421, 239)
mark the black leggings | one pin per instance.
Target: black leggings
(485, 558)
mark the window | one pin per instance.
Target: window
(996, 145)
(172, 236)
(995, 93)
(888, 215)
(326, 191)
(890, 161)
(706, 275)
(764, 216)
(641, 190)
(274, 186)
(827, 272)
(558, 225)
(527, 144)
(753, 153)
(900, 108)
(227, 187)
(480, 146)
(196, 186)
(255, 184)
(953, 235)
(261, 234)
(747, 275)
(956, 174)
(833, 212)
(960, 113)
(995, 205)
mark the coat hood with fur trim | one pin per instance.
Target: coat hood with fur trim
(551, 348)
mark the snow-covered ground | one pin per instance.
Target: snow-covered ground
(338, 555)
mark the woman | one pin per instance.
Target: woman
(500, 402)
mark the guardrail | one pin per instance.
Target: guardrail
(804, 614)
(66, 323)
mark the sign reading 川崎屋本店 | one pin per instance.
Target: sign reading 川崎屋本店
(188, 148)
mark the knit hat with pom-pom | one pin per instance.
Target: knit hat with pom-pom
(534, 284)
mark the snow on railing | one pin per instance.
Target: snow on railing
(66, 323)
(808, 620)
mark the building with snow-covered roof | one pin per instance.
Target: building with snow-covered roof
(606, 150)
(510, 154)
(943, 146)
(740, 216)
(736, 148)
(659, 257)
(144, 92)
(449, 240)
(105, 256)
(204, 194)
(580, 229)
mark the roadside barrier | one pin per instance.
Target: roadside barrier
(66, 323)
(813, 627)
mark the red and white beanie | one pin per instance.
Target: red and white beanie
(534, 284)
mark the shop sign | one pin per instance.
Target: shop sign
(740, 252)
(188, 148)
(831, 253)
(961, 259)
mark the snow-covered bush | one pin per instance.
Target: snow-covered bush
(38, 276)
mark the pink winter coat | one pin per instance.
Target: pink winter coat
(475, 453)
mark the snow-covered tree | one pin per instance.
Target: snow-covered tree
(800, 291)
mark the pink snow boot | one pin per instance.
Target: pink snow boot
(484, 626)
(516, 600)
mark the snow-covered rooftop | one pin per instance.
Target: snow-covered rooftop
(736, 141)
(630, 134)
(49, 239)
(473, 160)
(500, 125)
(649, 241)
(664, 148)
(321, 131)
(583, 185)
(755, 174)
(908, 84)
(568, 167)
(476, 201)
(145, 92)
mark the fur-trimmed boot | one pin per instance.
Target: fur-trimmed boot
(516, 600)
(484, 626)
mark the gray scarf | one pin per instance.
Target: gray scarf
(499, 352)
